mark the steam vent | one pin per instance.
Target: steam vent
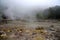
(29, 20)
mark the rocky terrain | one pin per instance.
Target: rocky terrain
(19, 30)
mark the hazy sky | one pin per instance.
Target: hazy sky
(23, 7)
(29, 3)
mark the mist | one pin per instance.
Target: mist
(25, 9)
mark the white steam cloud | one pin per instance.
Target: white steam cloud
(24, 9)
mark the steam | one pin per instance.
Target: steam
(24, 9)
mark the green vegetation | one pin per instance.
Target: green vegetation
(54, 12)
(50, 13)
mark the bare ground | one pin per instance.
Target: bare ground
(19, 30)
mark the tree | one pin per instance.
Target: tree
(54, 12)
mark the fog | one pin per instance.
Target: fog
(25, 9)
